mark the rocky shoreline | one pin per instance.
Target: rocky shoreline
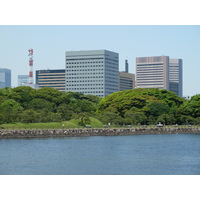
(47, 133)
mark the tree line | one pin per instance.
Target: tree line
(131, 107)
(150, 106)
(27, 105)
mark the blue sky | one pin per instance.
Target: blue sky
(130, 41)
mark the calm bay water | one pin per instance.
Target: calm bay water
(173, 154)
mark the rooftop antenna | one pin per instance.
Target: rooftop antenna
(126, 66)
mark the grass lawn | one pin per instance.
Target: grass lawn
(52, 125)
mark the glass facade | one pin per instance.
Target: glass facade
(175, 76)
(5, 77)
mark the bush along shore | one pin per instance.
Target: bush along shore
(52, 133)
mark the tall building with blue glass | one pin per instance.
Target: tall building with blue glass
(176, 76)
(5, 77)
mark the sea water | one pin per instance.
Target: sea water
(168, 154)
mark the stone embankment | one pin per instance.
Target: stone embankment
(44, 133)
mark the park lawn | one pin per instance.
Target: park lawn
(52, 125)
(95, 123)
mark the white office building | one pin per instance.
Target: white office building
(23, 80)
(159, 72)
(93, 72)
(152, 72)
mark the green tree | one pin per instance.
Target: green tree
(198, 120)
(157, 108)
(65, 111)
(111, 117)
(84, 119)
(151, 120)
(2, 99)
(40, 105)
(50, 94)
(54, 117)
(166, 119)
(46, 104)
(23, 95)
(86, 106)
(6, 92)
(140, 99)
(92, 98)
(10, 110)
(30, 116)
(70, 97)
(135, 117)
(1, 118)
(190, 107)
(184, 119)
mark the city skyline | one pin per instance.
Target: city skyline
(130, 41)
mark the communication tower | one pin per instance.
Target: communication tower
(31, 66)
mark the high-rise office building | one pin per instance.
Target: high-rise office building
(152, 72)
(93, 72)
(51, 78)
(126, 79)
(175, 76)
(5, 77)
(159, 72)
(23, 80)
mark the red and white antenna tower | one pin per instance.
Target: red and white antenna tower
(31, 66)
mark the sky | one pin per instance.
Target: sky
(50, 42)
